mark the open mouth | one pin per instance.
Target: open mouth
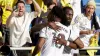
(20, 11)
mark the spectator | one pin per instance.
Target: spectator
(1, 12)
(47, 35)
(1, 39)
(28, 4)
(7, 6)
(84, 21)
(19, 22)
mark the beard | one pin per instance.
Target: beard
(68, 23)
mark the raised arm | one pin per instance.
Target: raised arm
(10, 18)
(37, 8)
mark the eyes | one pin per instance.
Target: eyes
(90, 8)
(69, 15)
(21, 5)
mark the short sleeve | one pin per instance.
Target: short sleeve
(32, 15)
(42, 33)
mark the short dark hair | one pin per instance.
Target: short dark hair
(1, 11)
(20, 2)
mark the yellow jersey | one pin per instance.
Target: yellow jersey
(6, 13)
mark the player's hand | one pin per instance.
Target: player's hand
(60, 39)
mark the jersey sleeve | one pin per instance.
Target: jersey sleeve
(43, 33)
(74, 33)
(32, 15)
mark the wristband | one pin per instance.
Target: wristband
(68, 43)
